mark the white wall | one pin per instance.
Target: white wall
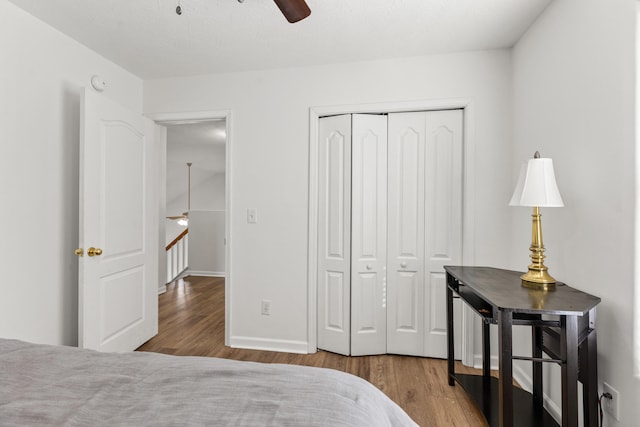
(216, 185)
(574, 88)
(206, 243)
(207, 193)
(269, 143)
(41, 75)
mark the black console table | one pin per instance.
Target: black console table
(562, 327)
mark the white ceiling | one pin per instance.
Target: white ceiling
(150, 40)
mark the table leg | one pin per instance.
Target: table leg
(569, 355)
(450, 349)
(486, 349)
(536, 345)
(589, 370)
(505, 383)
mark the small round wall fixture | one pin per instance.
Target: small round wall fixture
(98, 83)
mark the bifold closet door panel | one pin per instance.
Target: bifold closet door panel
(368, 234)
(405, 240)
(334, 234)
(443, 222)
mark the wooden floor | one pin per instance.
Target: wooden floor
(191, 322)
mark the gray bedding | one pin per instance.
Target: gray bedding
(55, 385)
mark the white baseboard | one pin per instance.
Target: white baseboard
(162, 289)
(204, 273)
(253, 343)
(180, 275)
(477, 362)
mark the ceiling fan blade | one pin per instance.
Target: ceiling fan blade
(293, 10)
(184, 215)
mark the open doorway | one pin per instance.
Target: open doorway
(195, 199)
(218, 122)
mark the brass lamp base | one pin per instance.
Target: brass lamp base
(537, 277)
(540, 280)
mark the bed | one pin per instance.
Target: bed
(57, 385)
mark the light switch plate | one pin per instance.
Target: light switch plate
(252, 216)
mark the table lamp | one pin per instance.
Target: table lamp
(537, 188)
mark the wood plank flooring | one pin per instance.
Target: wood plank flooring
(191, 322)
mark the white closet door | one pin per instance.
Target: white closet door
(443, 222)
(405, 265)
(334, 233)
(390, 218)
(368, 234)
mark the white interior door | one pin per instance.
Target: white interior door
(118, 283)
(334, 231)
(368, 234)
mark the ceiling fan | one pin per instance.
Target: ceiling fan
(184, 218)
(293, 10)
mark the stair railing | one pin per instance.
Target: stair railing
(177, 256)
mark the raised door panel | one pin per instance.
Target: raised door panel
(122, 204)
(335, 285)
(368, 234)
(334, 231)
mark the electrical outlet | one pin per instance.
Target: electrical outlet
(611, 406)
(266, 307)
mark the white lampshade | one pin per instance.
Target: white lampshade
(537, 185)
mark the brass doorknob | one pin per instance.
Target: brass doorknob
(94, 251)
(79, 252)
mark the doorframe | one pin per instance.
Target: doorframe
(468, 198)
(203, 116)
